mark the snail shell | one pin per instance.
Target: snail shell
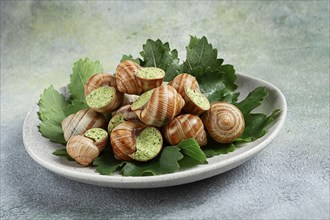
(195, 102)
(82, 149)
(80, 122)
(123, 139)
(150, 77)
(164, 104)
(184, 80)
(183, 127)
(126, 78)
(224, 122)
(104, 80)
(99, 136)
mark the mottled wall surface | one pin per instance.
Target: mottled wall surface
(285, 43)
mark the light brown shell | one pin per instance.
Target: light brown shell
(100, 144)
(147, 84)
(183, 127)
(190, 106)
(123, 139)
(224, 122)
(104, 79)
(82, 150)
(79, 123)
(126, 78)
(164, 104)
(182, 80)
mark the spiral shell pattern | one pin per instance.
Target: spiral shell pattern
(80, 122)
(98, 80)
(165, 103)
(182, 80)
(224, 122)
(82, 149)
(123, 139)
(183, 127)
(126, 78)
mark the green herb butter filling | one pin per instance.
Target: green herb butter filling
(148, 144)
(142, 100)
(198, 98)
(96, 134)
(100, 97)
(150, 73)
(114, 121)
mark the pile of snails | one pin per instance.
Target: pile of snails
(162, 112)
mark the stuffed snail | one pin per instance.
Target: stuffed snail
(80, 122)
(131, 78)
(85, 148)
(159, 106)
(133, 140)
(102, 94)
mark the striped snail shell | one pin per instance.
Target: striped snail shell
(102, 94)
(82, 150)
(126, 77)
(150, 77)
(99, 136)
(183, 127)
(123, 139)
(133, 140)
(80, 122)
(184, 80)
(164, 104)
(224, 122)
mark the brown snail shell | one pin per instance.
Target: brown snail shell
(104, 79)
(79, 123)
(126, 78)
(123, 139)
(184, 80)
(164, 104)
(183, 127)
(224, 122)
(193, 107)
(82, 150)
(149, 83)
(99, 136)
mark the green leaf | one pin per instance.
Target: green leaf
(216, 81)
(81, 71)
(168, 162)
(63, 153)
(106, 163)
(218, 149)
(256, 124)
(158, 54)
(191, 148)
(201, 56)
(51, 105)
(253, 100)
(74, 107)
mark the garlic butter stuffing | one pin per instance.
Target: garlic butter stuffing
(156, 114)
(170, 111)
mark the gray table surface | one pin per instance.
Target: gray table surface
(285, 43)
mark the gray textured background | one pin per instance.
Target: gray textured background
(285, 43)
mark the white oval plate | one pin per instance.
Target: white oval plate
(41, 149)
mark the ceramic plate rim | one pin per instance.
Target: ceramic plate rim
(177, 178)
